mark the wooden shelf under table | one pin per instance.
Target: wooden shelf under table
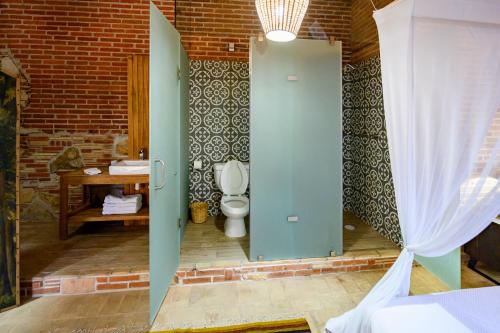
(84, 213)
(95, 215)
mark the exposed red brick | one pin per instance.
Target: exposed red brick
(77, 59)
(141, 284)
(235, 277)
(296, 267)
(123, 278)
(228, 274)
(246, 269)
(205, 279)
(371, 267)
(216, 279)
(111, 286)
(352, 268)
(210, 272)
(340, 262)
(333, 269)
(271, 268)
(102, 279)
(208, 26)
(46, 291)
(280, 274)
(364, 36)
(53, 282)
(304, 272)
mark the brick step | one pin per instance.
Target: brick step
(280, 269)
(52, 285)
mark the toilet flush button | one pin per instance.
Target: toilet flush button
(293, 218)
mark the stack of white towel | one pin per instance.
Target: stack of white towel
(128, 204)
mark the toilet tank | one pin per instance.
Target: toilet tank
(218, 170)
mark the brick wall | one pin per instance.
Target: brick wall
(364, 37)
(76, 54)
(76, 51)
(208, 26)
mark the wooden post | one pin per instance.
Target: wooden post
(138, 118)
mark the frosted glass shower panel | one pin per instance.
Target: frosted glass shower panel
(295, 149)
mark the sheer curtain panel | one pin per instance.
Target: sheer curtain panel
(441, 84)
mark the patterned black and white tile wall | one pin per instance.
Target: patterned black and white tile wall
(368, 187)
(219, 131)
(219, 123)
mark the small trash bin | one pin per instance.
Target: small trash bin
(199, 212)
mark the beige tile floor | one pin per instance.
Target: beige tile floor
(205, 244)
(96, 248)
(363, 237)
(104, 247)
(316, 298)
(125, 312)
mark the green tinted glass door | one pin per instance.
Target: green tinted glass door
(164, 154)
(447, 268)
(295, 149)
(183, 139)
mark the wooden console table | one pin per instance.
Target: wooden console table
(86, 213)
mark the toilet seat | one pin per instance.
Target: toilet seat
(234, 178)
(234, 205)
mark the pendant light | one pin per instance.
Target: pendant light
(281, 19)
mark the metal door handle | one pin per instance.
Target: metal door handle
(162, 170)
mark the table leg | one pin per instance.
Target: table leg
(63, 209)
(86, 194)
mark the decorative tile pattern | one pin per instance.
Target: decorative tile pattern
(219, 123)
(368, 187)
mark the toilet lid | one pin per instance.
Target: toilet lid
(234, 178)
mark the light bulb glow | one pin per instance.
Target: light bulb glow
(280, 36)
(281, 19)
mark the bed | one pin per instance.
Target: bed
(460, 311)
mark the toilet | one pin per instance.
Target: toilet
(232, 179)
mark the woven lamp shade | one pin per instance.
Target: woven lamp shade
(281, 19)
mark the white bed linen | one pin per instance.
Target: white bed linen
(461, 311)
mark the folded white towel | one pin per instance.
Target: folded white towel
(125, 199)
(125, 205)
(129, 204)
(92, 171)
(112, 211)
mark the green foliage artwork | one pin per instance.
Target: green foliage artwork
(8, 114)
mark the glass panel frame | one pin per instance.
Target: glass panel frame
(295, 149)
(164, 239)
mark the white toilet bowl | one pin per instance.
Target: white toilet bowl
(232, 180)
(235, 208)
